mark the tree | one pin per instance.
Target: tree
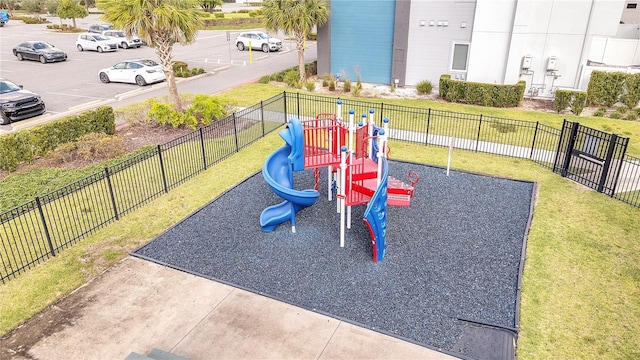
(71, 9)
(161, 24)
(210, 5)
(35, 7)
(297, 18)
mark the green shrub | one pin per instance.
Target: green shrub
(197, 71)
(164, 114)
(292, 77)
(615, 115)
(310, 85)
(578, 101)
(480, 93)
(561, 100)
(206, 109)
(264, 79)
(605, 88)
(569, 98)
(24, 146)
(355, 91)
(600, 112)
(622, 109)
(346, 85)
(311, 69)
(424, 87)
(332, 85)
(631, 116)
(637, 111)
(179, 66)
(218, 15)
(631, 90)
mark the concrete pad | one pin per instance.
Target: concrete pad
(354, 342)
(250, 326)
(135, 306)
(138, 305)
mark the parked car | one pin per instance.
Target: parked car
(39, 51)
(96, 42)
(121, 38)
(4, 18)
(258, 40)
(17, 103)
(139, 71)
(99, 28)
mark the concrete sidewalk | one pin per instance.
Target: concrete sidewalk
(138, 305)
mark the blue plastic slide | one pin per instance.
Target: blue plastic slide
(278, 172)
(375, 216)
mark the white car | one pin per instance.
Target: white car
(258, 40)
(139, 71)
(95, 42)
(122, 40)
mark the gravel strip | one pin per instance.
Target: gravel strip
(453, 254)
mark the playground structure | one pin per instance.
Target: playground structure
(357, 169)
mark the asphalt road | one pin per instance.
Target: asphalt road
(73, 86)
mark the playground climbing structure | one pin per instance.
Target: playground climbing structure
(355, 156)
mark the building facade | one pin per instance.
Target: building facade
(546, 43)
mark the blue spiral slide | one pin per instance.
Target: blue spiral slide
(278, 173)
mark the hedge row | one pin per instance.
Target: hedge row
(573, 99)
(481, 94)
(26, 145)
(608, 88)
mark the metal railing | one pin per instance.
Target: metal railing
(39, 229)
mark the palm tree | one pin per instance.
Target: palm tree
(297, 18)
(161, 24)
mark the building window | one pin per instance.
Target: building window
(632, 5)
(460, 52)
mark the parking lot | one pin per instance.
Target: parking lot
(75, 83)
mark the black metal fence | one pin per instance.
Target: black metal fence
(37, 230)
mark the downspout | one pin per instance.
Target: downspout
(513, 21)
(576, 80)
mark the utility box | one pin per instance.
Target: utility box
(552, 63)
(526, 62)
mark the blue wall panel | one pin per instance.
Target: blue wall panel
(362, 38)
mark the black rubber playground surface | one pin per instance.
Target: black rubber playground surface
(449, 280)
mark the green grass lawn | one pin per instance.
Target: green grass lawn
(581, 281)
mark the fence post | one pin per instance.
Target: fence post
(569, 150)
(113, 198)
(164, 175)
(426, 138)
(235, 132)
(533, 143)
(298, 101)
(204, 154)
(478, 136)
(381, 114)
(262, 116)
(46, 228)
(285, 107)
(607, 163)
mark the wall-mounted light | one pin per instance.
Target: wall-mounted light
(432, 22)
(423, 23)
(396, 81)
(463, 24)
(439, 22)
(445, 23)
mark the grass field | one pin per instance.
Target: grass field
(581, 280)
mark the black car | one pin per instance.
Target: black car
(17, 103)
(40, 51)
